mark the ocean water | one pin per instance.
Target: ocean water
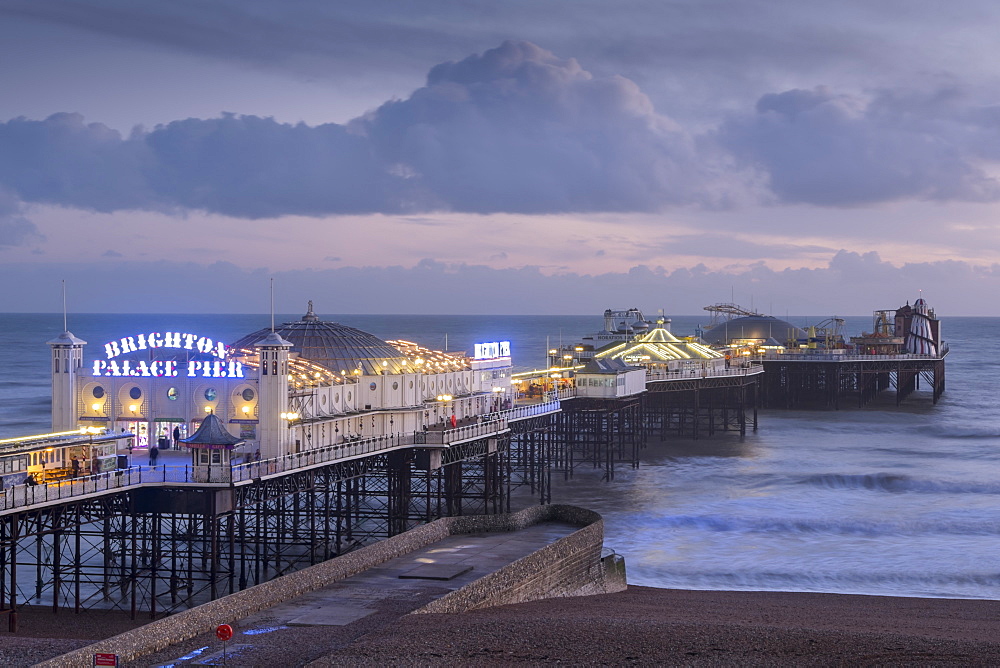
(885, 500)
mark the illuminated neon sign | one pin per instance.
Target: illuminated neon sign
(154, 340)
(219, 368)
(168, 369)
(488, 351)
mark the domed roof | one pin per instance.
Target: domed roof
(752, 327)
(332, 345)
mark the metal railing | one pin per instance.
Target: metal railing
(21, 496)
(684, 374)
(531, 410)
(24, 496)
(828, 357)
(464, 433)
(349, 449)
(354, 448)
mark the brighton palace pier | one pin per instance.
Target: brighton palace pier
(306, 440)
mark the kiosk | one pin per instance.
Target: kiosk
(212, 451)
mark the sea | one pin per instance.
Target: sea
(882, 500)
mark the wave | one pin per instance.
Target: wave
(897, 483)
(771, 525)
(945, 433)
(981, 585)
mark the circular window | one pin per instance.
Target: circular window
(248, 394)
(210, 394)
(336, 397)
(348, 396)
(411, 384)
(98, 392)
(322, 400)
(395, 386)
(372, 386)
(135, 393)
(172, 394)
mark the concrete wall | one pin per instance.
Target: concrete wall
(571, 565)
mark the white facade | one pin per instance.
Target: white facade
(611, 385)
(147, 385)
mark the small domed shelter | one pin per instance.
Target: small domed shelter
(755, 329)
(212, 450)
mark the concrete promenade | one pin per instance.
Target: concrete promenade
(453, 564)
(315, 624)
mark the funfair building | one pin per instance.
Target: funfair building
(302, 385)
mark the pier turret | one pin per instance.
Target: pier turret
(273, 405)
(67, 358)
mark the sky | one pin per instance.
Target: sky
(522, 157)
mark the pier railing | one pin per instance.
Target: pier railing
(354, 448)
(20, 496)
(683, 374)
(830, 357)
(543, 408)
(349, 449)
(488, 427)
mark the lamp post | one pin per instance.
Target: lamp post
(498, 396)
(444, 399)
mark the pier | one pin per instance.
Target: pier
(152, 540)
(831, 381)
(313, 446)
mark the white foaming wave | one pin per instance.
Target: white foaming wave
(981, 585)
(897, 483)
(795, 526)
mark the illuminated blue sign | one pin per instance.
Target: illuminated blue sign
(489, 351)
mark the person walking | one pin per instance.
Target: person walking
(154, 452)
(75, 463)
(177, 437)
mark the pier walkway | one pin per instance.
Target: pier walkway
(174, 469)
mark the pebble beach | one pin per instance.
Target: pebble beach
(640, 626)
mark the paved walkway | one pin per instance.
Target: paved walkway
(315, 624)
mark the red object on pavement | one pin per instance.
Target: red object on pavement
(224, 632)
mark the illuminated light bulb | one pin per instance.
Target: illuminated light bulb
(96, 407)
(246, 410)
(132, 408)
(208, 409)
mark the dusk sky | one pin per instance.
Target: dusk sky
(499, 157)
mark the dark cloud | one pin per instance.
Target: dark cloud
(63, 160)
(111, 253)
(312, 37)
(850, 284)
(836, 149)
(514, 129)
(256, 168)
(518, 129)
(15, 229)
